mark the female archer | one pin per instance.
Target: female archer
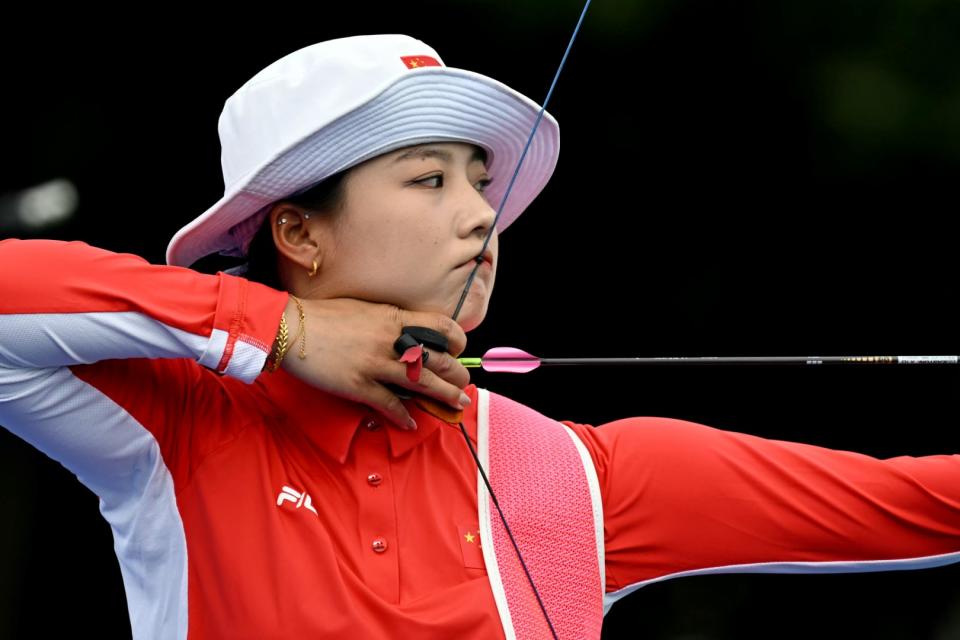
(276, 459)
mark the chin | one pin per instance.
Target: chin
(470, 316)
(469, 324)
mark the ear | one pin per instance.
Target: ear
(295, 234)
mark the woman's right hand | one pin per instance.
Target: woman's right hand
(349, 353)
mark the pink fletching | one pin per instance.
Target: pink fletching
(509, 360)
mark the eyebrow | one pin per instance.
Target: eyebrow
(446, 156)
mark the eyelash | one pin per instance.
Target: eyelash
(485, 183)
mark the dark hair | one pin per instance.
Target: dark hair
(325, 197)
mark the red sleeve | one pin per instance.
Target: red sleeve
(681, 498)
(65, 303)
(108, 364)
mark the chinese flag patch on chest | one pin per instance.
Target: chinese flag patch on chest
(414, 62)
(470, 546)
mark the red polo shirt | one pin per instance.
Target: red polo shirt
(251, 505)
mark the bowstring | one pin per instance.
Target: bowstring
(466, 289)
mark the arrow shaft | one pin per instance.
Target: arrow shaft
(724, 360)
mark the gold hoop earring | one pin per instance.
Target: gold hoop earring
(314, 271)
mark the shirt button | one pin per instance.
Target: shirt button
(372, 424)
(374, 479)
(379, 545)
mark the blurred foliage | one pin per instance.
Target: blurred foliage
(880, 75)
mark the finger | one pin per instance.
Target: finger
(380, 399)
(447, 367)
(430, 384)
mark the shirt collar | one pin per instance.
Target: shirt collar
(329, 423)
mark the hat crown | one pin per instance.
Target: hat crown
(267, 114)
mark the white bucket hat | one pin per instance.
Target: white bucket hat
(335, 104)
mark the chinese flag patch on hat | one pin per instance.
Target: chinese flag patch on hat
(414, 62)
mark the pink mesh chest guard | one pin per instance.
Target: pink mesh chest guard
(547, 487)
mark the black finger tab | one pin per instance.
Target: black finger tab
(404, 342)
(427, 337)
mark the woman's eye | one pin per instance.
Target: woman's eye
(439, 178)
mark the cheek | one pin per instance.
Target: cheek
(387, 245)
(413, 269)
(397, 258)
(400, 235)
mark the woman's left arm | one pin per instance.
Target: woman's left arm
(681, 498)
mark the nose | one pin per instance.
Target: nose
(479, 215)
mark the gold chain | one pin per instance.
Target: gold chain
(302, 331)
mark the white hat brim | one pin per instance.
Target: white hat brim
(429, 105)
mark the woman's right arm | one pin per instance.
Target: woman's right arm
(69, 303)
(99, 355)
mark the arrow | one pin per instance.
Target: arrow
(513, 360)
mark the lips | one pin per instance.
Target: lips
(487, 259)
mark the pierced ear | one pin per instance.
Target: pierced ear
(291, 236)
